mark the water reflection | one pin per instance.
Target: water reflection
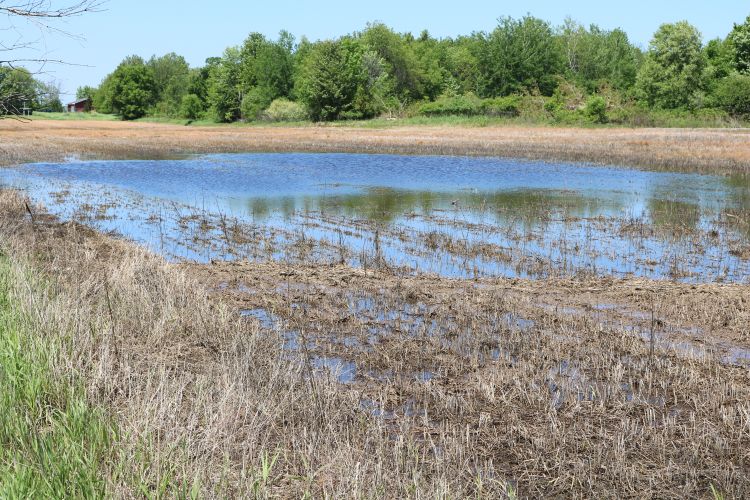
(493, 216)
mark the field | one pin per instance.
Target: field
(289, 371)
(703, 150)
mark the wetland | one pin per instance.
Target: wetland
(403, 325)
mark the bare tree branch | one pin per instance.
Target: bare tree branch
(43, 14)
(44, 9)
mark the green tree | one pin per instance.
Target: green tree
(191, 107)
(199, 79)
(225, 91)
(719, 63)
(739, 40)
(733, 94)
(48, 98)
(331, 80)
(171, 79)
(433, 73)
(462, 64)
(594, 57)
(18, 90)
(132, 89)
(85, 92)
(266, 72)
(520, 54)
(399, 59)
(102, 98)
(672, 73)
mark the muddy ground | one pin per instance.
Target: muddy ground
(705, 150)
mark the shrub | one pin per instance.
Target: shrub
(191, 107)
(254, 102)
(596, 109)
(502, 106)
(284, 110)
(463, 105)
(733, 94)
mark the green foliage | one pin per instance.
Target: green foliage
(225, 87)
(53, 444)
(254, 103)
(507, 106)
(129, 91)
(739, 40)
(332, 82)
(191, 107)
(267, 66)
(18, 89)
(471, 105)
(461, 64)
(171, 78)
(520, 54)
(595, 56)
(259, 72)
(284, 110)
(86, 92)
(596, 109)
(48, 98)
(732, 94)
(719, 63)
(103, 96)
(399, 60)
(671, 75)
(546, 74)
(463, 105)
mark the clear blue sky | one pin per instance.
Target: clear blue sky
(200, 29)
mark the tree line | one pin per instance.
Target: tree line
(20, 90)
(523, 66)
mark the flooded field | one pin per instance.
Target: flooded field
(452, 216)
(506, 328)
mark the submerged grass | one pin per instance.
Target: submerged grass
(451, 398)
(53, 443)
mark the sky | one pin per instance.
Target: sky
(200, 29)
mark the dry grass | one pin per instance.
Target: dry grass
(566, 403)
(704, 150)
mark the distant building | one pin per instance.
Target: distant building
(80, 106)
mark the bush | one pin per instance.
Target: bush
(733, 94)
(284, 110)
(463, 105)
(191, 107)
(502, 106)
(596, 109)
(253, 104)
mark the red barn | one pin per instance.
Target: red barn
(80, 106)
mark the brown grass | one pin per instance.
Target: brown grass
(705, 150)
(576, 403)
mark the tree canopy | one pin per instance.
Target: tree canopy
(378, 71)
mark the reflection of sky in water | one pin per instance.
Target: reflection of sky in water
(396, 191)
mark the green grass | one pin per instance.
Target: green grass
(53, 444)
(629, 117)
(93, 116)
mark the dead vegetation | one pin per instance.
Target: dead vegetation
(702, 150)
(341, 382)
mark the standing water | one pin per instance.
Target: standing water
(453, 216)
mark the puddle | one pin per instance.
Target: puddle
(266, 319)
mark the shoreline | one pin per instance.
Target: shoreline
(718, 151)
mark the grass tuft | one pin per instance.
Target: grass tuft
(53, 444)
